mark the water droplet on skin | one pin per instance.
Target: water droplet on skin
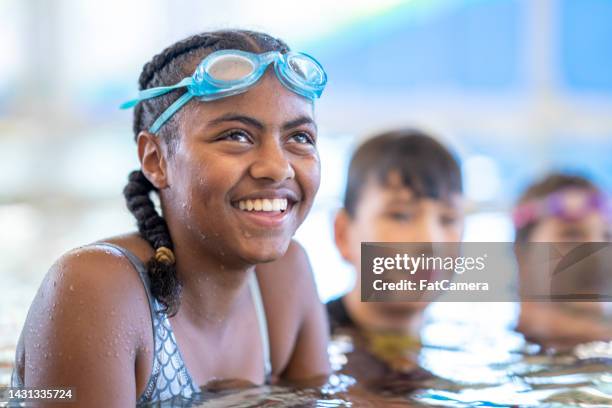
(108, 354)
(71, 288)
(116, 354)
(246, 234)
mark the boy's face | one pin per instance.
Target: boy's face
(392, 213)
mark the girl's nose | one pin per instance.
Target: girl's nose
(272, 163)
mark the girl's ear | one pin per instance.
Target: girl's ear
(342, 224)
(152, 160)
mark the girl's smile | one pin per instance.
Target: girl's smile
(267, 208)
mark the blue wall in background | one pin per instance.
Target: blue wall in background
(585, 30)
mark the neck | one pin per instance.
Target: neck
(372, 317)
(212, 289)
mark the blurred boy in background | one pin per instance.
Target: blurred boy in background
(403, 186)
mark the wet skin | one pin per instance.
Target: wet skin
(89, 326)
(392, 213)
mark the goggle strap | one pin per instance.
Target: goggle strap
(155, 92)
(178, 104)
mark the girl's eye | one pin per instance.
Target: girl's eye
(236, 136)
(303, 138)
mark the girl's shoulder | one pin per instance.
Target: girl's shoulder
(92, 282)
(289, 279)
(92, 296)
(101, 267)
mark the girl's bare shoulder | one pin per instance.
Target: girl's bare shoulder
(86, 325)
(94, 281)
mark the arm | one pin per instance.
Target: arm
(77, 334)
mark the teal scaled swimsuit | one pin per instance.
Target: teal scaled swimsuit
(169, 376)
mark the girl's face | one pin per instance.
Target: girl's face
(245, 172)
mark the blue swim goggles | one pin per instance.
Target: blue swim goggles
(230, 72)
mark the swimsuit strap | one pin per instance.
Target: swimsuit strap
(169, 376)
(263, 323)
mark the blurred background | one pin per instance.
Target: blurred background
(517, 88)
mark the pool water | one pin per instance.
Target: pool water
(467, 355)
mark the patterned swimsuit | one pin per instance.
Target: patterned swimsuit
(169, 376)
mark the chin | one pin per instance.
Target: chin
(265, 251)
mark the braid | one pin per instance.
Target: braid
(168, 68)
(165, 285)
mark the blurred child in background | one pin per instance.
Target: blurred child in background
(403, 186)
(562, 208)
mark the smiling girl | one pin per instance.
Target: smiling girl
(226, 137)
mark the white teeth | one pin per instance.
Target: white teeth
(263, 204)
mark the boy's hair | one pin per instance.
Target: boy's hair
(428, 168)
(550, 184)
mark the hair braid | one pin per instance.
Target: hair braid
(165, 286)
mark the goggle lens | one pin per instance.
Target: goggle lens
(306, 69)
(230, 68)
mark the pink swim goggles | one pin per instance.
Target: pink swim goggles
(571, 204)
